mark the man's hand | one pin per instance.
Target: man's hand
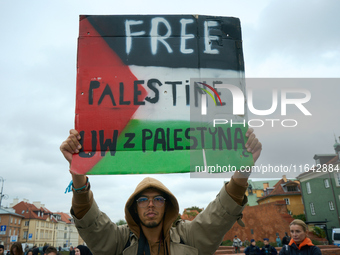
(253, 145)
(71, 145)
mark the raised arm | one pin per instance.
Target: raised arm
(238, 184)
(82, 199)
(70, 146)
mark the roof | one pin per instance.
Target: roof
(259, 184)
(64, 217)
(4, 211)
(30, 211)
(313, 169)
(280, 189)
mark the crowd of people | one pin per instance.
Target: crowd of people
(17, 249)
(297, 243)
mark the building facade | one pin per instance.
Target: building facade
(66, 232)
(287, 191)
(321, 192)
(256, 190)
(40, 226)
(10, 224)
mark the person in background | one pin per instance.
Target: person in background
(35, 250)
(299, 242)
(50, 250)
(278, 241)
(72, 252)
(2, 249)
(285, 239)
(82, 250)
(16, 249)
(26, 249)
(30, 252)
(267, 249)
(252, 249)
(237, 244)
(246, 243)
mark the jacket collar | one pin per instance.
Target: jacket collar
(305, 242)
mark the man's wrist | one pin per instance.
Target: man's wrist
(79, 181)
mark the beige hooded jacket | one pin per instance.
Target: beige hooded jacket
(200, 236)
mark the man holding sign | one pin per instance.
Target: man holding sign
(150, 212)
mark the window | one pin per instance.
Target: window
(37, 223)
(15, 221)
(42, 224)
(14, 232)
(11, 220)
(312, 211)
(292, 188)
(337, 179)
(308, 188)
(10, 232)
(331, 206)
(65, 235)
(25, 234)
(326, 183)
(27, 223)
(41, 234)
(287, 201)
(19, 221)
(37, 234)
(38, 214)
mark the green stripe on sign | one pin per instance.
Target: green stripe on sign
(161, 147)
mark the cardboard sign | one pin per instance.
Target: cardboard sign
(147, 94)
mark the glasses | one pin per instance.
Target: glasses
(144, 201)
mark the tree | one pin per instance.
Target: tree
(120, 222)
(300, 217)
(319, 232)
(194, 208)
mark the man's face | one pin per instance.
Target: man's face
(1, 251)
(265, 242)
(150, 216)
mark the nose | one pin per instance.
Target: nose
(150, 201)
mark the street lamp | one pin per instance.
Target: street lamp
(5, 196)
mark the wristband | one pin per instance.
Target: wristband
(77, 190)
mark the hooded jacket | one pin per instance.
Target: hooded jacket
(305, 248)
(200, 236)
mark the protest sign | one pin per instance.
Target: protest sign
(148, 94)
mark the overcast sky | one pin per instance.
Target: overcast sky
(281, 39)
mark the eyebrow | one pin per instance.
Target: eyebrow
(149, 196)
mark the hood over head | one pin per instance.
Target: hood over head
(171, 210)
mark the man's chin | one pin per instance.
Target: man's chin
(152, 224)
